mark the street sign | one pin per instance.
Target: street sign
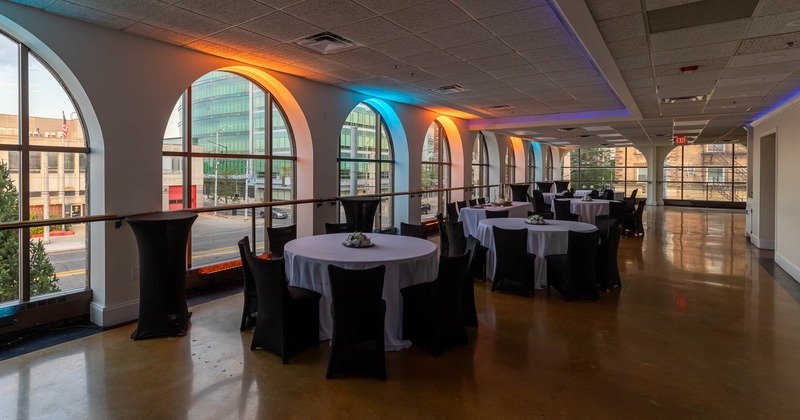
(251, 182)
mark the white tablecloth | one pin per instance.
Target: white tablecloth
(543, 240)
(586, 210)
(470, 216)
(408, 261)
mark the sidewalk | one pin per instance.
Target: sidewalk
(67, 242)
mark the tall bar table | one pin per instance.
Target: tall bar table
(161, 239)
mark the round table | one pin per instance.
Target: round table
(549, 239)
(408, 261)
(586, 210)
(470, 216)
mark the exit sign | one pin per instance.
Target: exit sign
(681, 140)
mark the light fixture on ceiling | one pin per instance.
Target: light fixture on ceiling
(584, 135)
(683, 99)
(446, 90)
(326, 43)
(566, 129)
(497, 107)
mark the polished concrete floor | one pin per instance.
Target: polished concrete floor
(705, 326)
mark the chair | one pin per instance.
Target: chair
(250, 311)
(630, 202)
(357, 342)
(444, 245)
(573, 274)
(496, 214)
(519, 192)
(461, 204)
(481, 200)
(360, 211)
(616, 211)
(340, 227)
(608, 194)
(563, 211)
(606, 264)
(475, 264)
(515, 267)
(278, 237)
(388, 231)
(417, 231)
(433, 313)
(473, 202)
(594, 194)
(457, 242)
(632, 223)
(452, 212)
(540, 207)
(561, 186)
(568, 194)
(288, 317)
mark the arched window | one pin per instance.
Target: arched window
(43, 166)
(706, 172)
(237, 149)
(547, 174)
(435, 171)
(622, 169)
(480, 166)
(530, 162)
(510, 165)
(366, 166)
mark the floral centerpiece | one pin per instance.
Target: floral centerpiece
(501, 201)
(536, 219)
(586, 198)
(357, 240)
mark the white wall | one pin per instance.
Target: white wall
(785, 124)
(126, 87)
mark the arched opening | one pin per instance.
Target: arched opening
(480, 166)
(622, 169)
(435, 171)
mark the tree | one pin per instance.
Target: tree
(43, 274)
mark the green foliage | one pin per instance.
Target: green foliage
(43, 275)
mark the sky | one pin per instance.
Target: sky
(47, 97)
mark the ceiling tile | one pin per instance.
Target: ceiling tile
(481, 49)
(453, 69)
(628, 47)
(589, 81)
(749, 88)
(321, 64)
(412, 75)
(281, 26)
(573, 74)
(698, 78)
(773, 25)
(431, 14)
(431, 59)
(560, 52)
(787, 67)
(482, 8)
(559, 65)
(699, 35)
(633, 62)
(359, 56)
(484, 85)
(526, 80)
(703, 65)
(286, 53)
(621, 28)
(232, 12)
(214, 48)
(769, 57)
(87, 14)
(754, 79)
(661, 4)
(725, 49)
(539, 39)
(131, 9)
(350, 73)
(184, 21)
(499, 61)
(513, 71)
(607, 9)
(769, 43)
(455, 35)
(773, 7)
(385, 6)
(372, 31)
(521, 21)
(329, 14)
(404, 47)
(241, 39)
(475, 76)
(278, 4)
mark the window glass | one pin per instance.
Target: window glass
(435, 171)
(707, 172)
(622, 169)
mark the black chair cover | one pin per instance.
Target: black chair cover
(563, 211)
(358, 312)
(544, 186)
(278, 237)
(519, 192)
(250, 310)
(452, 212)
(540, 207)
(474, 250)
(616, 211)
(573, 274)
(608, 194)
(496, 214)
(360, 211)
(607, 267)
(433, 313)
(340, 227)
(417, 231)
(633, 222)
(515, 268)
(457, 242)
(473, 202)
(561, 186)
(288, 317)
(444, 245)
(481, 200)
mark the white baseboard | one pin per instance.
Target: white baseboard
(787, 266)
(108, 316)
(762, 243)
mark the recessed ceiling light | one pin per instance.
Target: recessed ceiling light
(566, 129)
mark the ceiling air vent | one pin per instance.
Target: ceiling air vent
(444, 90)
(497, 107)
(683, 99)
(584, 135)
(566, 129)
(326, 43)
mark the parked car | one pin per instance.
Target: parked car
(277, 213)
(425, 207)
